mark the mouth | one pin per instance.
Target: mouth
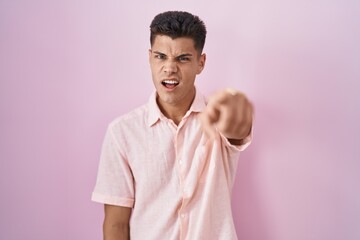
(170, 84)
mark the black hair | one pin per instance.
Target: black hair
(177, 24)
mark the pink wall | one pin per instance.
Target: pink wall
(69, 67)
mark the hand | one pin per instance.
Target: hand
(230, 112)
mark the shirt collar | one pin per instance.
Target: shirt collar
(155, 114)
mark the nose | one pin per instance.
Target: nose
(170, 66)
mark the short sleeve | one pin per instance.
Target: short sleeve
(115, 182)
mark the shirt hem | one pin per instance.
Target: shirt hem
(124, 202)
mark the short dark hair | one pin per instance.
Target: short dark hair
(177, 24)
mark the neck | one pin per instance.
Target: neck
(176, 112)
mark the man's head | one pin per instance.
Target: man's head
(176, 24)
(177, 40)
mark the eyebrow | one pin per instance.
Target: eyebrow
(181, 55)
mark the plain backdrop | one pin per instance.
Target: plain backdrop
(68, 67)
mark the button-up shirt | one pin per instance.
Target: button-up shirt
(177, 181)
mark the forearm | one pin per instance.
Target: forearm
(236, 142)
(116, 222)
(113, 231)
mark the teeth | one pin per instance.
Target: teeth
(170, 82)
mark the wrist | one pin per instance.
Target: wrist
(236, 142)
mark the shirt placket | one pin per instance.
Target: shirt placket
(183, 213)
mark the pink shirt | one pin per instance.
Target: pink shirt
(177, 181)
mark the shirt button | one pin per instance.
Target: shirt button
(181, 162)
(182, 215)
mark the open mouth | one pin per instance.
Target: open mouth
(170, 84)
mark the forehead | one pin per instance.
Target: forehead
(176, 46)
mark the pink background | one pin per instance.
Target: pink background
(67, 68)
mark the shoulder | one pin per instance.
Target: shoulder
(137, 115)
(129, 129)
(137, 118)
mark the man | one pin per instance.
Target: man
(167, 168)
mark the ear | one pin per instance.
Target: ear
(150, 54)
(201, 63)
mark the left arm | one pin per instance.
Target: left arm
(231, 113)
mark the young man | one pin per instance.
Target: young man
(167, 168)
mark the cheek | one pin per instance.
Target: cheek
(155, 67)
(192, 74)
(197, 68)
(190, 70)
(155, 74)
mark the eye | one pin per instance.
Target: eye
(160, 56)
(183, 59)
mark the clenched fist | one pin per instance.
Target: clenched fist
(230, 112)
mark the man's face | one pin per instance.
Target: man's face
(174, 65)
